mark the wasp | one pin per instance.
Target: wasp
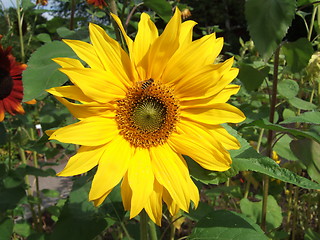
(146, 84)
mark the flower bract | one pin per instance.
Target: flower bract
(140, 111)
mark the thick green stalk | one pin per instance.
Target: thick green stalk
(143, 225)
(72, 9)
(20, 19)
(152, 230)
(270, 135)
(315, 8)
(113, 9)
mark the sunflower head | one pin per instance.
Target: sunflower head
(140, 111)
(11, 89)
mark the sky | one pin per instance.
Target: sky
(8, 3)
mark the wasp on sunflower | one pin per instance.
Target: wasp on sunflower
(140, 111)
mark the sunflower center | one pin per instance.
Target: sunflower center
(6, 83)
(148, 114)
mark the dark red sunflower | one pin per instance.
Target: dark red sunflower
(11, 88)
(97, 3)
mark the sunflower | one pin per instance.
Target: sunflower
(97, 3)
(11, 88)
(141, 111)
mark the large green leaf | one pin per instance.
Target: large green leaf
(268, 22)
(302, 104)
(308, 152)
(161, 7)
(6, 228)
(79, 219)
(226, 225)
(276, 127)
(297, 54)
(288, 88)
(306, 117)
(248, 159)
(42, 73)
(254, 211)
(252, 78)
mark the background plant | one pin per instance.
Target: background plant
(272, 189)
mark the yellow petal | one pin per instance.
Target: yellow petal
(126, 193)
(72, 92)
(98, 201)
(185, 37)
(171, 173)
(93, 131)
(140, 177)
(164, 47)
(226, 139)
(85, 159)
(112, 56)
(221, 97)
(112, 167)
(86, 110)
(197, 142)
(154, 204)
(101, 86)
(172, 206)
(202, 83)
(86, 52)
(68, 62)
(124, 34)
(214, 114)
(189, 58)
(147, 33)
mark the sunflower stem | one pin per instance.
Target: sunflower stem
(20, 19)
(143, 225)
(153, 231)
(270, 135)
(113, 9)
(72, 9)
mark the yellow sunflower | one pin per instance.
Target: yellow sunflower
(140, 111)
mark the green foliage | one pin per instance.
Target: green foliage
(297, 54)
(42, 73)
(268, 22)
(253, 210)
(226, 225)
(308, 153)
(161, 7)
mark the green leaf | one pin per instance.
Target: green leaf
(50, 193)
(6, 228)
(42, 73)
(253, 210)
(288, 88)
(282, 147)
(302, 104)
(308, 152)
(276, 127)
(288, 113)
(10, 197)
(268, 22)
(79, 219)
(306, 117)
(226, 225)
(246, 158)
(23, 229)
(252, 78)
(161, 7)
(44, 37)
(297, 54)
(311, 235)
(3, 134)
